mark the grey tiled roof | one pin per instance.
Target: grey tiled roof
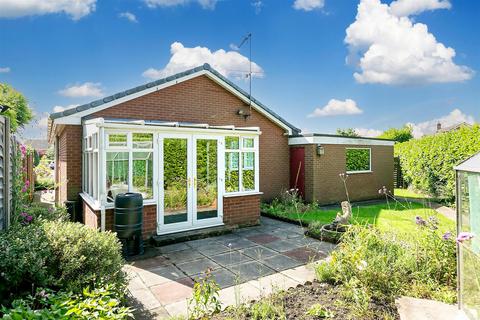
(174, 77)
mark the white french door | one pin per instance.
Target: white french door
(190, 182)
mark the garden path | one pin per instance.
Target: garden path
(246, 264)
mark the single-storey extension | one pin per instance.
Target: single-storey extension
(202, 153)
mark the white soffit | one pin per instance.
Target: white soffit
(339, 140)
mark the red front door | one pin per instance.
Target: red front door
(297, 169)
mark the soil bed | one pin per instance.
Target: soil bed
(297, 301)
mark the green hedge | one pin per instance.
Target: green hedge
(427, 163)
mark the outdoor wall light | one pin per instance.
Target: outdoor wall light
(243, 113)
(320, 150)
(3, 108)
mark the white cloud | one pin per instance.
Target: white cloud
(409, 7)
(336, 107)
(257, 5)
(364, 132)
(430, 127)
(129, 16)
(205, 4)
(389, 49)
(61, 108)
(228, 63)
(76, 9)
(5, 70)
(87, 89)
(308, 5)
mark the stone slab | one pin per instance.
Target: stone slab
(423, 309)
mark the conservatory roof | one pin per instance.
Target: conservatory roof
(111, 122)
(472, 164)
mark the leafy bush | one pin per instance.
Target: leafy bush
(89, 304)
(24, 260)
(83, 256)
(427, 163)
(402, 134)
(39, 214)
(57, 255)
(371, 264)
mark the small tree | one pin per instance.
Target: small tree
(398, 134)
(348, 132)
(19, 112)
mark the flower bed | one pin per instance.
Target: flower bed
(51, 268)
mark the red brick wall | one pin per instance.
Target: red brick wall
(323, 184)
(69, 166)
(237, 211)
(241, 211)
(202, 100)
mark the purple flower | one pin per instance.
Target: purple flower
(23, 149)
(447, 235)
(419, 220)
(28, 218)
(464, 236)
(24, 214)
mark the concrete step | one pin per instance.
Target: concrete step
(162, 240)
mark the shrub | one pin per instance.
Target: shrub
(83, 256)
(89, 304)
(383, 266)
(57, 255)
(24, 260)
(427, 163)
(39, 214)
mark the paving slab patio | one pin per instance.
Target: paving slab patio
(246, 264)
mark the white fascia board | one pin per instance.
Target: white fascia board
(77, 117)
(338, 140)
(245, 99)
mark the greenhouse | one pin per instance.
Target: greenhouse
(468, 227)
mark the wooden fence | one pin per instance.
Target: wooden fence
(5, 172)
(9, 146)
(399, 181)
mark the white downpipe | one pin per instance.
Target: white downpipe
(102, 218)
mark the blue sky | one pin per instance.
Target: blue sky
(61, 55)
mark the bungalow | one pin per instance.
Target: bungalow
(202, 153)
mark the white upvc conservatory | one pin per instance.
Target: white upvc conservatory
(184, 169)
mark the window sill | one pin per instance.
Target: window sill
(95, 205)
(355, 172)
(242, 194)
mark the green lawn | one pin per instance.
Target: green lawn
(395, 218)
(407, 193)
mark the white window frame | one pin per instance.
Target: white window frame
(241, 151)
(130, 150)
(90, 167)
(369, 160)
